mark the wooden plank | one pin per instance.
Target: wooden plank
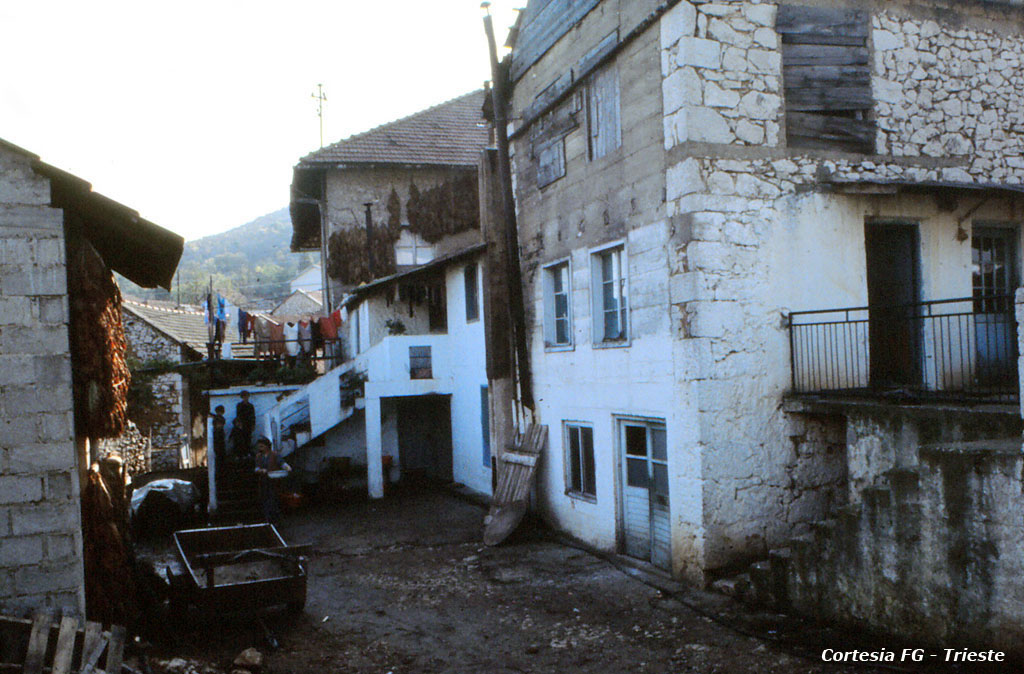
(37, 641)
(550, 162)
(547, 96)
(91, 656)
(544, 23)
(826, 76)
(115, 650)
(556, 124)
(592, 57)
(520, 459)
(826, 131)
(238, 556)
(65, 649)
(840, 22)
(804, 99)
(93, 633)
(824, 39)
(823, 55)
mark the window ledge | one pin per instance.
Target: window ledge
(555, 348)
(580, 496)
(612, 344)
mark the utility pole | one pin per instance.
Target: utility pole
(320, 97)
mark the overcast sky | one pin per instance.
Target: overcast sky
(193, 113)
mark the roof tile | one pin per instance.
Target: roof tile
(448, 134)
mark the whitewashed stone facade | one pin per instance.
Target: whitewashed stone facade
(727, 230)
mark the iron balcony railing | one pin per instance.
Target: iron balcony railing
(956, 349)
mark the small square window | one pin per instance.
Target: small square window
(420, 366)
(611, 306)
(579, 460)
(557, 306)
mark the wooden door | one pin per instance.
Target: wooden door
(893, 283)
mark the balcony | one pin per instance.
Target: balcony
(962, 350)
(408, 358)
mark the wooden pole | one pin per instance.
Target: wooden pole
(499, 100)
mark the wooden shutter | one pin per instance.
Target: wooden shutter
(827, 78)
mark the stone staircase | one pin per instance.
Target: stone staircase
(237, 495)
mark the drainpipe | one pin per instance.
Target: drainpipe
(324, 277)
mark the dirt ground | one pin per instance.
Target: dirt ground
(404, 585)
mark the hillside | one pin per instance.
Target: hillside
(247, 263)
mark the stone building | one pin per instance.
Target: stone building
(775, 244)
(405, 263)
(300, 303)
(413, 180)
(160, 337)
(63, 379)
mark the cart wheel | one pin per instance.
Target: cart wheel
(295, 607)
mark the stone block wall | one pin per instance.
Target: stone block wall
(40, 515)
(734, 191)
(167, 417)
(933, 553)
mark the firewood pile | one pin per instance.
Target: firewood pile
(133, 449)
(99, 369)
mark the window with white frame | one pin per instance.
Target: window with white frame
(609, 295)
(580, 477)
(557, 307)
(411, 249)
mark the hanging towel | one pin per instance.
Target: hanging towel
(327, 328)
(276, 338)
(291, 338)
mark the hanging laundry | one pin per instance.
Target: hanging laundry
(291, 338)
(328, 328)
(305, 337)
(243, 325)
(318, 335)
(276, 338)
(261, 336)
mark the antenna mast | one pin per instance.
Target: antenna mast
(320, 97)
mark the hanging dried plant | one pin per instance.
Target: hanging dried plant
(449, 208)
(394, 209)
(347, 254)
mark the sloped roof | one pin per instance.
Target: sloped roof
(449, 134)
(184, 326)
(129, 244)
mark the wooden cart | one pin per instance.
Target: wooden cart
(240, 568)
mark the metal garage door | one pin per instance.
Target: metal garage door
(645, 510)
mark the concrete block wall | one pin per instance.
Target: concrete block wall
(40, 516)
